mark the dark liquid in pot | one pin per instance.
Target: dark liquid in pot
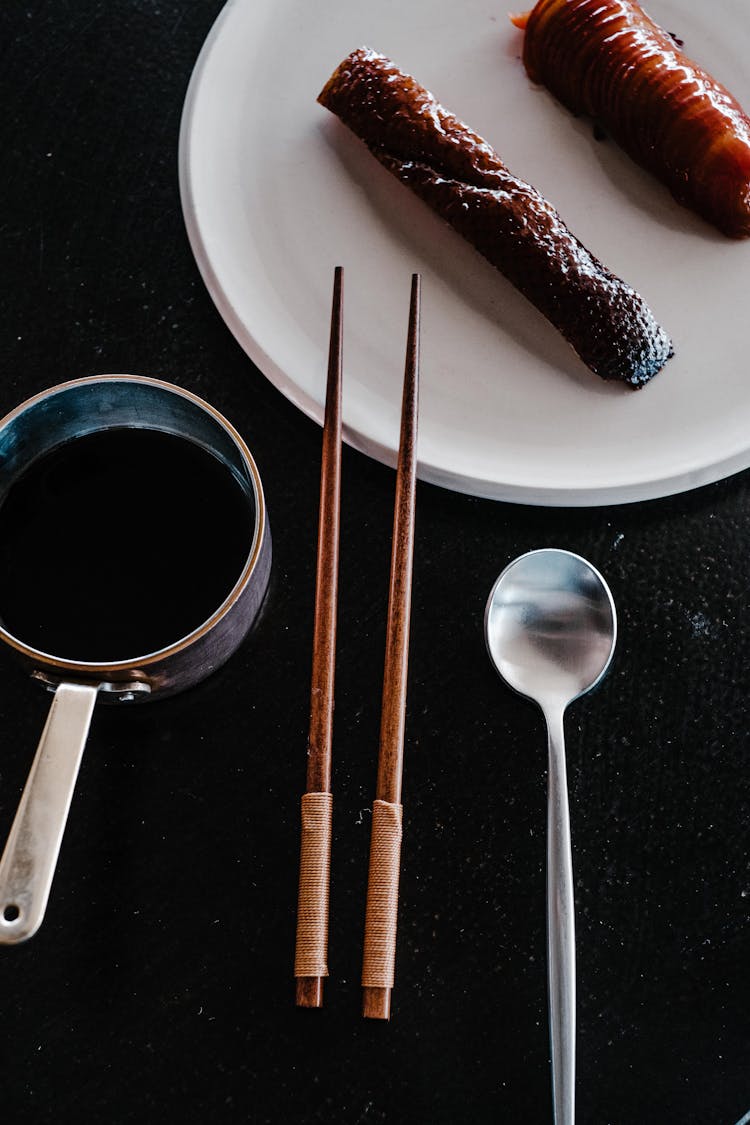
(120, 543)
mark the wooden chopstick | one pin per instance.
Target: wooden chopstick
(311, 953)
(385, 844)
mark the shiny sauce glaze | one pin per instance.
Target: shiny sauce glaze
(609, 60)
(464, 180)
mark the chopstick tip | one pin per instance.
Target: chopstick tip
(416, 293)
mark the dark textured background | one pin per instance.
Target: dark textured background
(159, 985)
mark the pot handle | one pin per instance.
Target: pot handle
(28, 863)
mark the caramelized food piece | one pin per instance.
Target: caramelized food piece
(608, 59)
(462, 178)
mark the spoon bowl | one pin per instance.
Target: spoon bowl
(550, 627)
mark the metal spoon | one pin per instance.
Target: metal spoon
(550, 627)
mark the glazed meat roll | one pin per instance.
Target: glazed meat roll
(609, 60)
(464, 180)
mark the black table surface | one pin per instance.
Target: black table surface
(160, 984)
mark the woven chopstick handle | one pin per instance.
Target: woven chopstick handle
(382, 896)
(311, 954)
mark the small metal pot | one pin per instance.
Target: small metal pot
(33, 429)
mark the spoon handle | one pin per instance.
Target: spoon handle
(561, 950)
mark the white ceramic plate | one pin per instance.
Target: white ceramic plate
(276, 192)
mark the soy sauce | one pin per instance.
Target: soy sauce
(120, 543)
